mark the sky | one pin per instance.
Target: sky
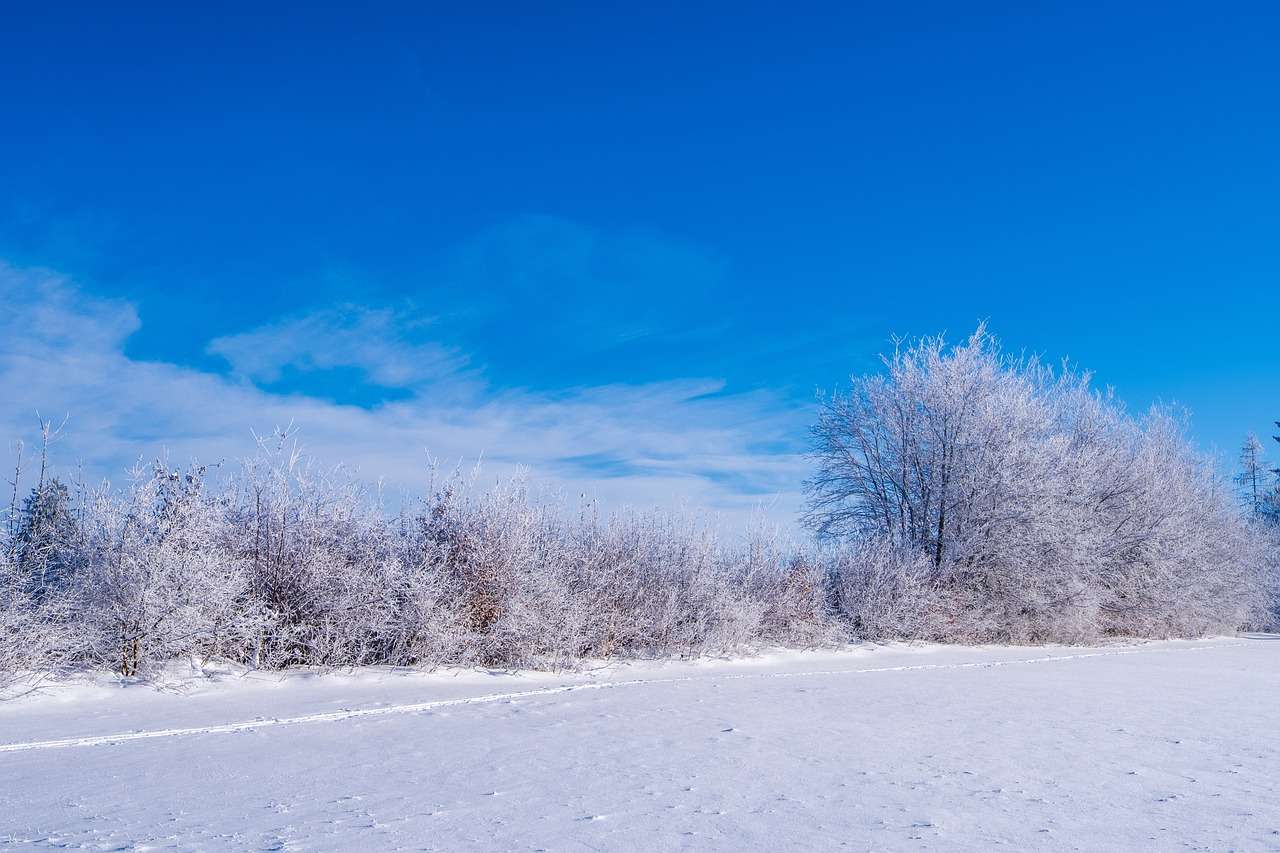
(623, 245)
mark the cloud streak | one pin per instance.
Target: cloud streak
(385, 345)
(656, 443)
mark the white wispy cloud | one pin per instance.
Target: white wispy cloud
(385, 344)
(62, 350)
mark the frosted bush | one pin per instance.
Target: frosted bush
(962, 495)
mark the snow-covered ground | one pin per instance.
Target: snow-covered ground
(1161, 746)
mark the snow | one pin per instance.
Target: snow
(1169, 745)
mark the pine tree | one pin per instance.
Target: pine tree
(1271, 501)
(1252, 478)
(46, 532)
(1276, 471)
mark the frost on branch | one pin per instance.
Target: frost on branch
(960, 495)
(990, 497)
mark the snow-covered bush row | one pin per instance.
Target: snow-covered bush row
(285, 565)
(997, 499)
(962, 495)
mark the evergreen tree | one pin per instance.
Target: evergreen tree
(1276, 471)
(1251, 481)
(46, 532)
(1271, 501)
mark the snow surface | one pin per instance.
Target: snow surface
(1160, 746)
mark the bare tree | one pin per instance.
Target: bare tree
(1042, 508)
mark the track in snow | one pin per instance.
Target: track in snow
(421, 707)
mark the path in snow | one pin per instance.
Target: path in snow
(419, 707)
(1162, 746)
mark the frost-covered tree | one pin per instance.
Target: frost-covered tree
(44, 538)
(961, 495)
(36, 564)
(1258, 486)
(154, 581)
(1252, 476)
(1041, 508)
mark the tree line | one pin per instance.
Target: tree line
(958, 495)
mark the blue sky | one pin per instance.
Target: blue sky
(622, 245)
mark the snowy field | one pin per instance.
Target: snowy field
(1161, 746)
